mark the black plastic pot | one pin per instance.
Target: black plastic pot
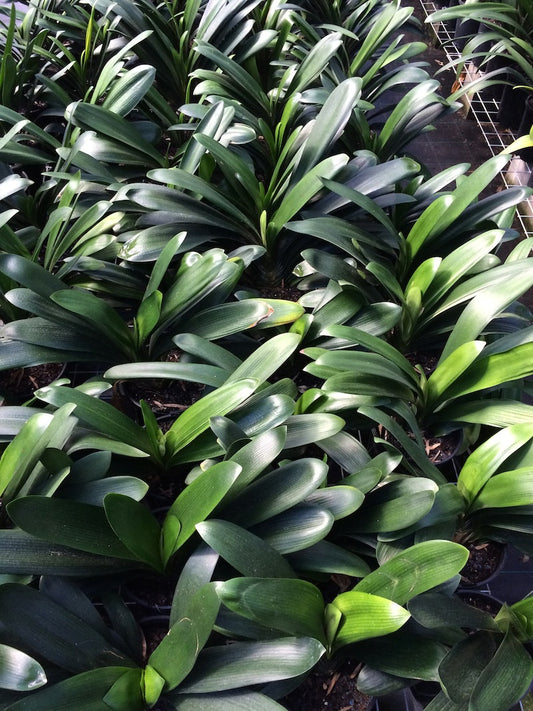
(525, 127)
(464, 30)
(425, 691)
(481, 601)
(512, 107)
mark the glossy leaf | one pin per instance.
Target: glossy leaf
(395, 505)
(505, 679)
(276, 491)
(84, 692)
(267, 358)
(69, 523)
(24, 554)
(415, 570)
(448, 371)
(340, 500)
(365, 616)
(98, 414)
(128, 686)
(196, 502)
(486, 459)
(293, 606)
(255, 456)
(298, 528)
(227, 701)
(195, 419)
(249, 663)
(326, 557)
(135, 527)
(176, 654)
(18, 671)
(247, 553)
(309, 427)
(507, 489)
(44, 627)
(403, 654)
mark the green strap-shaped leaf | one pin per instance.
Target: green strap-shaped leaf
(97, 118)
(135, 527)
(69, 523)
(310, 427)
(244, 551)
(189, 372)
(227, 701)
(300, 194)
(436, 609)
(209, 352)
(100, 315)
(486, 459)
(328, 124)
(293, 606)
(19, 671)
(195, 574)
(315, 62)
(488, 303)
(128, 686)
(276, 491)
(365, 616)
(30, 274)
(357, 336)
(195, 419)
(448, 371)
(196, 502)
(129, 89)
(244, 664)
(101, 416)
(296, 529)
(37, 623)
(176, 654)
(395, 506)
(21, 553)
(415, 570)
(458, 263)
(23, 453)
(255, 456)
(340, 500)
(84, 692)
(514, 488)
(442, 212)
(326, 557)
(404, 654)
(226, 319)
(494, 370)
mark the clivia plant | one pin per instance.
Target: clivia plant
(114, 671)
(73, 324)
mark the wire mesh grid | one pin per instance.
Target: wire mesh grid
(485, 112)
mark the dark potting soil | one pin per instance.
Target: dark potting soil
(165, 396)
(19, 384)
(483, 561)
(151, 595)
(331, 691)
(481, 602)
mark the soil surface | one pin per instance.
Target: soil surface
(484, 560)
(19, 384)
(331, 690)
